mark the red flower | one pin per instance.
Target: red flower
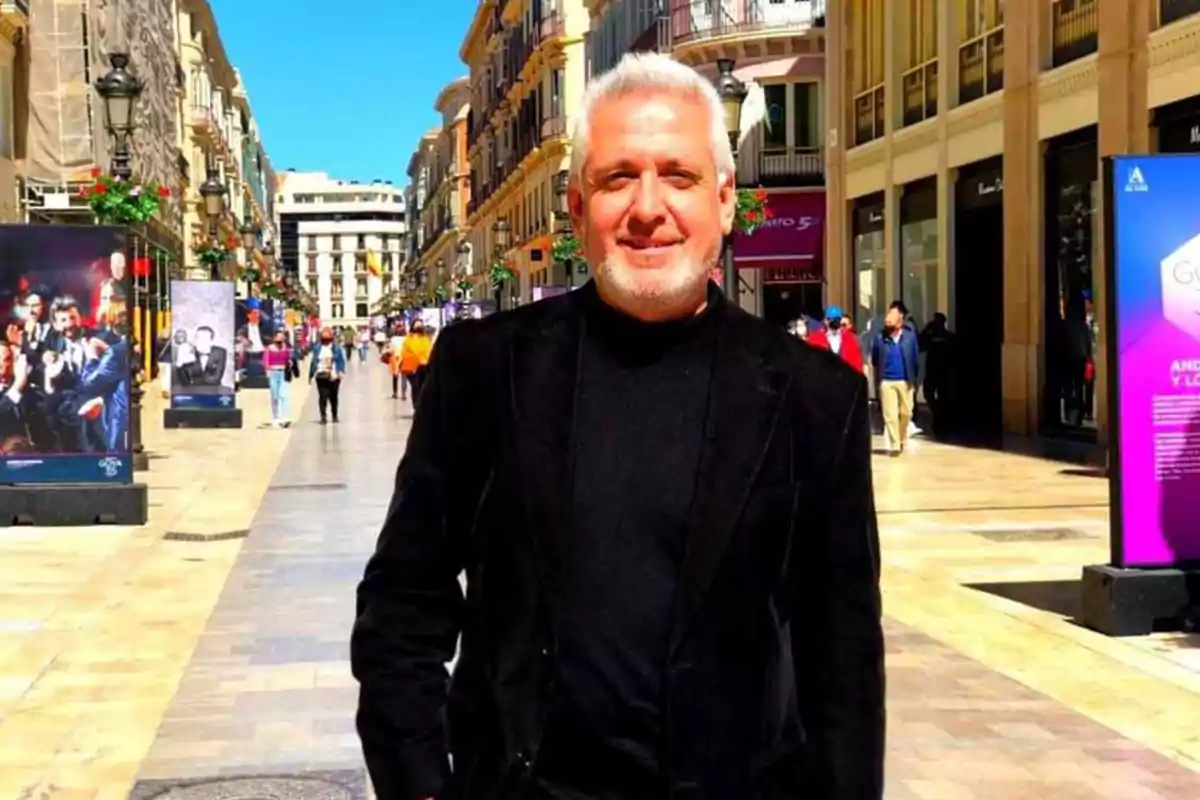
(768, 213)
(751, 216)
(96, 172)
(99, 188)
(163, 191)
(85, 192)
(761, 195)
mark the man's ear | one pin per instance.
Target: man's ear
(727, 200)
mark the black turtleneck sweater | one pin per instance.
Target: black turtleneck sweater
(640, 425)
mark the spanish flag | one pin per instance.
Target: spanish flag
(373, 264)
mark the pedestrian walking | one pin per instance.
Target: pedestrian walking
(662, 506)
(895, 365)
(414, 357)
(327, 367)
(280, 366)
(364, 344)
(394, 352)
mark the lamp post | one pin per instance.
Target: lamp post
(562, 180)
(733, 94)
(500, 236)
(464, 269)
(120, 90)
(249, 232)
(213, 192)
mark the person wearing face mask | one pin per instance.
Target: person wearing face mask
(832, 337)
(327, 367)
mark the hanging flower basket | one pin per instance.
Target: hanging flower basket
(566, 250)
(214, 254)
(250, 275)
(752, 211)
(118, 202)
(439, 293)
(499, 273)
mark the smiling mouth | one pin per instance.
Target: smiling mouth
(649, 248)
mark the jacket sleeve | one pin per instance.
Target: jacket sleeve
(409, 614)
(838, 643)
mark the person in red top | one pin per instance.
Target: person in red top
(834, 337)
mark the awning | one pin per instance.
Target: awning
(791, 245)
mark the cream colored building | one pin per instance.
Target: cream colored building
(334, 228)
(446, 182)
(14, 16)
(527, 75)
(964, 177)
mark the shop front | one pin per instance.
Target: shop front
(788, 252)
(869, 252)
(919, 269)
(1071, 249)
(1178, 126)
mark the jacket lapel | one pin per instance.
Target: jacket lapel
(545, 367)
(746, 395)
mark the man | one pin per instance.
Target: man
(207, 367)
(831, 337)
(895, 359)
(662, 506)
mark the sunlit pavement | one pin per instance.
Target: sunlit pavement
(125, 657)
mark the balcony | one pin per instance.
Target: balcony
(551, 26)
(920, 92)
(700, 20)
(553, 128)
(791, 166)
(981, 65)
(1074, 30)
(1174, 10)
(204, 124)
(868, 115)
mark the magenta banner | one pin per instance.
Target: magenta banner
(1154, 358)
(791, 239)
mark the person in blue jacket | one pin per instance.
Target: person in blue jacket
(895, 362)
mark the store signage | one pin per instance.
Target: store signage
(984, 188)
(1154, 353)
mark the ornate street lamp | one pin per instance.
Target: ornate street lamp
(733, 93)
(213, 193)
(562, 181)
(120, 90)
(463, 269)
(500, 237)
(249, 232)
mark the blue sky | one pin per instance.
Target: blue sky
(344, 86)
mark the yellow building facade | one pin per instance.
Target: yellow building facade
(963, 167)
(14, 16)
(527, 74)
(443, 213)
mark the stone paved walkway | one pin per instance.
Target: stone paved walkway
(988, 699)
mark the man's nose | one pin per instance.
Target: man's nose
(648, 202)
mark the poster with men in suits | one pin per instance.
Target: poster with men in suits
(202, 344)
(64, 355)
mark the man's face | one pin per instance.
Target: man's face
(36, 307)
(116, 266)
(67, 322)
(181, 337)
(204, 341)
(893, 319)
(652, 210)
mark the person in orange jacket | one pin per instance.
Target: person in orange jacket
(414, 357)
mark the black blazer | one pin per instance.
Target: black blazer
(192, 375)
(774, 686)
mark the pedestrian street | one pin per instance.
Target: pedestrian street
(138, 663)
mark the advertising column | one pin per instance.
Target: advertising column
(1154, 352)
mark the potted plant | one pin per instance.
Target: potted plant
(499, 273)
(566, 250)
(752, 211)
(216, 253)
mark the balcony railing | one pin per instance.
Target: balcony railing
(791, 166)
(1173, 10)
(697, 20)
(981, 65)
(554, 128)
(868, 115)
(550, 26)
(1074, 30)
(920, 92)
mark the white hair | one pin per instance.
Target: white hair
(651, 73)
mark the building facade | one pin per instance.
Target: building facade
(447, 182)
(964, 178)
(527, 73)
(14, 16)
(425, 220)
(344, 239)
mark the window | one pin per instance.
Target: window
(361, 244)
(922, 31)
(556, 93)
(335, 288)
(337, 243)
(775, 130)
(360, 263)
(866, 21)
(6, 112)
(360, 287)
(312, 263)
(980, 16)
(336, 311)
(310, 243)
(806, 115)
(361, 310)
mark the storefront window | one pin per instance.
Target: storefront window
(919, 280)
(870, 265)
(1072, 331)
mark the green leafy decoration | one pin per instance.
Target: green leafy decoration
(566, 250)
(119, 202)
(752, 211)
(499, 273)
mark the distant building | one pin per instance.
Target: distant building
(342, 239)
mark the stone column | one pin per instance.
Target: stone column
(1124, 118)
(947, 79)
(1023, 284)
(893, 99)
(838, 282)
